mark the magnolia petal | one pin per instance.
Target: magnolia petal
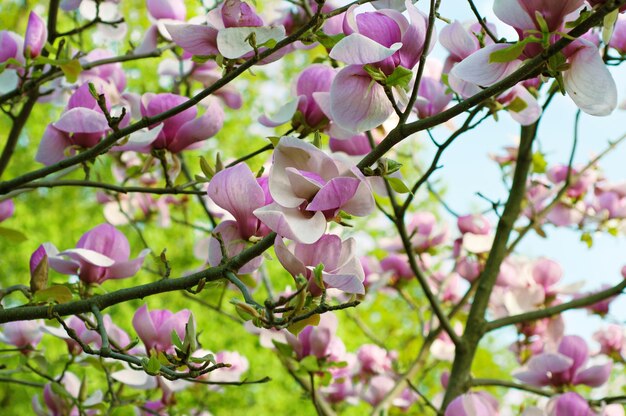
(348, 283)
(458, 41)
(357, 49)
(123, 269)
(290, 262)
(533, 378)
(549, 363)
(283, 115)
(89, 256)
(140, 140)
(292, 224)
(362, 203)
(236, 190)
(478, 70)
(63, 266)
(594, 376)
(52, 146)
(357, 102)
(529, 114)
(195, 39)
(135, 378)
(589, 83)
(232, 42)
(334, 194)
(82, 120)
(199, 129)
(513, 13)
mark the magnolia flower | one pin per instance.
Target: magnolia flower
(59, 404)
(82, 125)
(320, 341)
(238, 365)
(342, 269)
(310, 87)
(167, 9)
(385, 40)
(475, 224)
(611, 339)
(183, 130)
(102, 253)
(237, 191)
(155, 327)
(373, 360)
(565, 366)
(469, 404)
(7, 208)
(89, 336)
(22, 334)
(35, 36)
(378, 388)
(309, 188)
(227, 31)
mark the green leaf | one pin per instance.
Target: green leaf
(517, 105)
(328, 41)
(152, 366)
(208, 171)
(587, 239)
(71, 70)
(543, 25)
(176, 340)
(539, 162)
(55, 293)
(284, 349)
(608, 25)
(201, 58)
(398, 186)
(300, 325)
(12, 235)
(507, 54)
(309, 364)
(400, 77)
(375, 73)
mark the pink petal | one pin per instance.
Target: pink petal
(349, 283)
(89, 256)
(195, 39)
(589, 83)
(237, 191)
(334, 194)
(357, 49)
(199, 129)
(478, 69)
(52, 146)
(291, 223)
(290, 262)
(123, 269)
(513, 13)
(458, 41)
(35, 36)
(144, 326)
(594, 376)
(82, 120)
(357, 102)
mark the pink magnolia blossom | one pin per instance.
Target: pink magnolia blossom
(22, 334)
(587, 81)
(433, 97)
(82, 125)
(102, 253)
(183, 130)
(612, 340)
(155, 327)
(309, 188)
(469, 404)
(378, 388)
(565, 367)
(309, 87)
(618, 40)
(342, 269)
(167, 9)
(475, 224)
(7, 208)
(56, 404)
(425, 232)
(89, 336)
(569, 404)
(228, 26)
(238, 366)
(320, 341)
(373, 359)
(384, 39)
(35, 36)
(236, 190)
